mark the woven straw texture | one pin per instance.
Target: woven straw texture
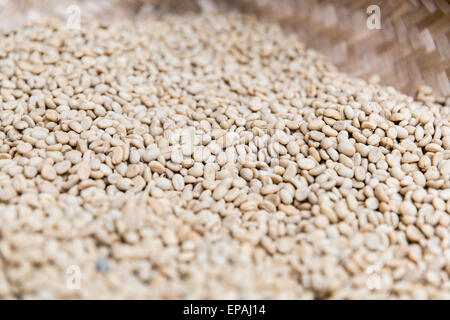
(411, 48)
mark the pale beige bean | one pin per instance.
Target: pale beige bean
(306, 164)
(178, 182)
(48, 172)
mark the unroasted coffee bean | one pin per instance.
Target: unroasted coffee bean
(213, 157)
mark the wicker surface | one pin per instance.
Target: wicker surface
(410, 50)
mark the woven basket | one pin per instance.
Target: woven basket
(411, 48)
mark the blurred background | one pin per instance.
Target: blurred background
(409, 50)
